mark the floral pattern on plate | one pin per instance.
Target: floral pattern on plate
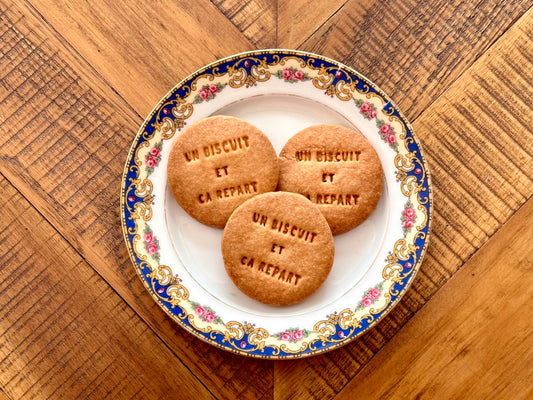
(153, 157)
(143, 201)
(370, 296)
(292, 75)
(292, 335)
(208, 92)
(151, 244)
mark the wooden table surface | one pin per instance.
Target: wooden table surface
(77, 80)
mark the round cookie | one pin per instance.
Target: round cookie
(216, 164)
(278, 248)
(337, 169)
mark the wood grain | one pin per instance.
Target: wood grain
(64, 332)
(466, 342)
(140, 58)
(467, 147)
(256, 19)
(297, 20)
(413, 49)
(65, 136)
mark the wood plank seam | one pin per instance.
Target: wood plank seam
(34, 333)
(410, 317)
(240, 18)
(103, 279)
(467, 67)
(479, 128)
(73, 49)
(472, 346)
(470, 175)
(102, 117)
(515, 117)
(519, 92)
(34, 50)
(434, 175)
(302, 43)
(4, 395)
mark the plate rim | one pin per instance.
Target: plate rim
(284, 52)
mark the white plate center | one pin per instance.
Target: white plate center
(198, 246)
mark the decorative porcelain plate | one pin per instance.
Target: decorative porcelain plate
(179, 260)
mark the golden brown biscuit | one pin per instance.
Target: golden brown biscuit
(278, 248)
(337, 169)
(216, 164)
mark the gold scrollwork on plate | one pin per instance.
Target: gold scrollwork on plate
(172, 115)
(234, 330)
(142, 209)
(402, 251)
(408, 183)
(238, 75)
(180, 109)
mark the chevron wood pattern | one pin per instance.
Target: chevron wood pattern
(78, 78)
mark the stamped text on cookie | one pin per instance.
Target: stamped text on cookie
(327, 155)
(217, 148)
(284, 227)
(228, 192)
(271, 270)
(334, 199)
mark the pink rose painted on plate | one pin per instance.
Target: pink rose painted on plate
(204, 94)
(292, 75)
(299, 75)
(151, 162)
(209, 317)
(155, 152)
(208, 92)
(408, 218)
(199, 310)
(365, 107)
(297, 334)
(292, 335)
(366, 301)
(409, 213)
(151, 244)
(385, 129)
(152, 249)
(153, 157)
(206, 313)
(408, 224)
(387, 134)
(286, 336)
(370, 296)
